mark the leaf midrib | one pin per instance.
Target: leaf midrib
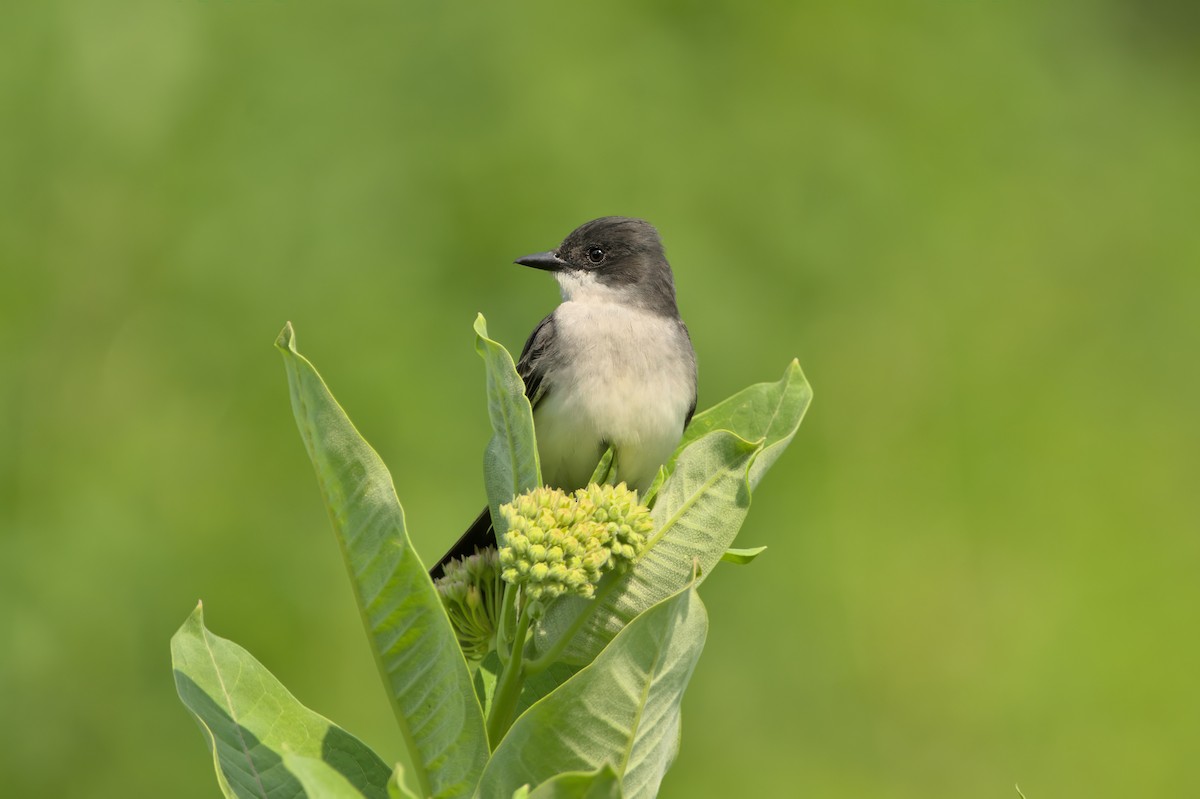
(373, 631)
(692, 499)
(641, 707)
(237, 725)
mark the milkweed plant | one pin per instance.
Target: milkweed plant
(551, 666)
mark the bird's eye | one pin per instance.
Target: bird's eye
(595, 255)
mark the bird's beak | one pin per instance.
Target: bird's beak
(543, 260)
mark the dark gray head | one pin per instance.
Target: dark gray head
(611, 259)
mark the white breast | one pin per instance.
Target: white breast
(621, 382)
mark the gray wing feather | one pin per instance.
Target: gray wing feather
(692, 354)
(532, 364)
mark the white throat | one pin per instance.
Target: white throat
(584, 287)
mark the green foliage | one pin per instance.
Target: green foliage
(416, 649)
(742, 556)
(397, 788)
(605, 471)
(510, 462)
(253, 725)
(766, 412)
(320, 779)
(622, 709)
(596, 707)
(603, 783)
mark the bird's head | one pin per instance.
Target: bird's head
(612, 259)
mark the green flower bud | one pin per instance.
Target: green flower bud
(471, 591)
(564, 543)
(626, 523)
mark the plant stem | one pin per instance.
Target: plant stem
(508, 687)
(507, 608)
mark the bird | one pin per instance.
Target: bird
(612, 366)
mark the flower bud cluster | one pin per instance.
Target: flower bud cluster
(471, 591)
(559, 543)
(626, 522)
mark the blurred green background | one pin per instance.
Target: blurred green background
(975, 224)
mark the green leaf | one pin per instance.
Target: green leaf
(768, 411)
(742, 556)
(699, 510)
(621, 710)
(251, 721)
(427, 680)
(605, 471)
(655, 486)
(510, 462)
(396, 787)
(486, 673)
(319, 779)
(601, 784)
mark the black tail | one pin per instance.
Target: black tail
(478, 536)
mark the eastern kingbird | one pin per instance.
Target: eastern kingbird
(613, 365)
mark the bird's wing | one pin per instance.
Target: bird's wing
(531, 367)
(688, 338)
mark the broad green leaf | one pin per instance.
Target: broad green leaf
(426, 676)
(621, 710)
(699, 510)
(510, 462)
(542, 683)
(742, 556)
(396, 787)
(249, 719)
(601, 784)
(771, 412)
(319, 779)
